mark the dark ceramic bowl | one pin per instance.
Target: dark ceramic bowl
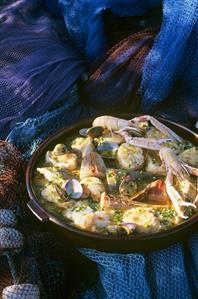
(82, 238)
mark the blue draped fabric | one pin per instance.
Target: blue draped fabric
(28, 135)
(38, 63)
(170, 273)
(171, 67)
(169, 80)
(85, 24)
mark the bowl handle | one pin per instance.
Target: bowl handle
(37, 210)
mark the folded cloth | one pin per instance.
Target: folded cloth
(85, 23)
(38, 63)
(115, 82)
(170, 273)
(169, 85)
(28, 135)
(169, 79)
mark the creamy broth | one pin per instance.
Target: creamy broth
(110, 183)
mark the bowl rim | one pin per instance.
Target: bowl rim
(44, 215)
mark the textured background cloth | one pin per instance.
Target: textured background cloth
(11, 175)
(32, 257)
(169, 82)
(85, 24)
(171, 68)
(116, 80)
(171, 273)
(38, 64)
(29, 134)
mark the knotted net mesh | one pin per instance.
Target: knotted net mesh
(38, 63)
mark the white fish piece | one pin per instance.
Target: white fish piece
(130, 157)
(48, 173)
(144, 220)
(95, 186)
(101, 219)
(53, 176)
(82, 145)
(68, 161)
(81, 215)
(50, 194)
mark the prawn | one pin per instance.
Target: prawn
(116, 124)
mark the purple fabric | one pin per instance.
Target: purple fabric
(38, 63)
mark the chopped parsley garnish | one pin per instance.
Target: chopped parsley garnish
(117, 217)
(93, 205)
(165, 212)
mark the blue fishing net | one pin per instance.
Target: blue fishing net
(38, 63)
(171, 273)
(170, 69)
(28, 135)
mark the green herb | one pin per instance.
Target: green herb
(165, 212)
(117, 217)
(93, 205)
(80, 208)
